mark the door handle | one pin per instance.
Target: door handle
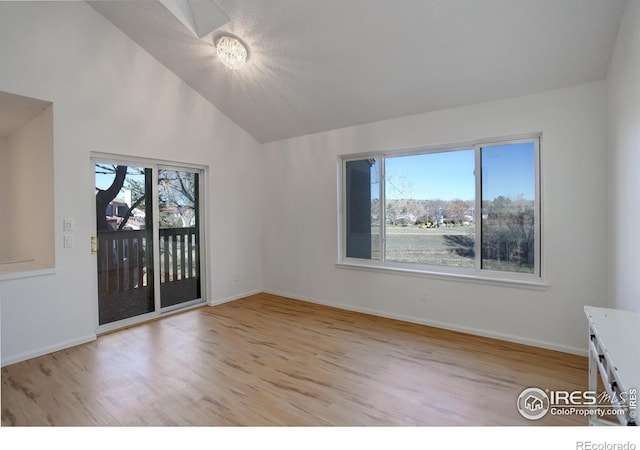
(94, 244)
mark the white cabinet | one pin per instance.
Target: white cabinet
(614, 354)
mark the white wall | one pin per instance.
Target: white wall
(110, 96)
(27, 201)
(5, 173)
(624, 162)
(301, 220)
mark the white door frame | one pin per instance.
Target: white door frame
(155, 165)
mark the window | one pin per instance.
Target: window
(472, 209)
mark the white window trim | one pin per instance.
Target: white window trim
(473, 275)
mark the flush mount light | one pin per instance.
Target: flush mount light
(231, 52)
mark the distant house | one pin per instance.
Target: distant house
(117, 210)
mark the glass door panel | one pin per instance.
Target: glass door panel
(179, 237)
(124, 226)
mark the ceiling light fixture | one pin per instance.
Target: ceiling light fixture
(231, 52)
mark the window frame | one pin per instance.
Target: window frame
(476, 273)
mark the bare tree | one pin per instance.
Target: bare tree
(177, 198)
(508, 231)
(104, 197)
(456, 211)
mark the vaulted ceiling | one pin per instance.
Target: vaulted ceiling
(316, 65)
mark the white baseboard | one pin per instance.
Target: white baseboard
(215, 302)
(443, 325)
(46, 350)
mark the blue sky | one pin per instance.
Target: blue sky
(508, 170)
(444, 176)
(104, 180)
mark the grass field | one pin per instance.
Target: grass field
(446, 246)
(439, 246)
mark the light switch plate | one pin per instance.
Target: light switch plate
(68, 225)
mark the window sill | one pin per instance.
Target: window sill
(26, 269)
(535, 284)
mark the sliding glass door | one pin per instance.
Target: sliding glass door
(179, 233)
(124, 227)
(147, 242)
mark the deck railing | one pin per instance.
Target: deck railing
(123, 257)
(178, 254)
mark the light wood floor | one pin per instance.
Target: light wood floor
(267, 360)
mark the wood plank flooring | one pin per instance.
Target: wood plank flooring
(271, 361)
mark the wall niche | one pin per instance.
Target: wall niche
(27, 231)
